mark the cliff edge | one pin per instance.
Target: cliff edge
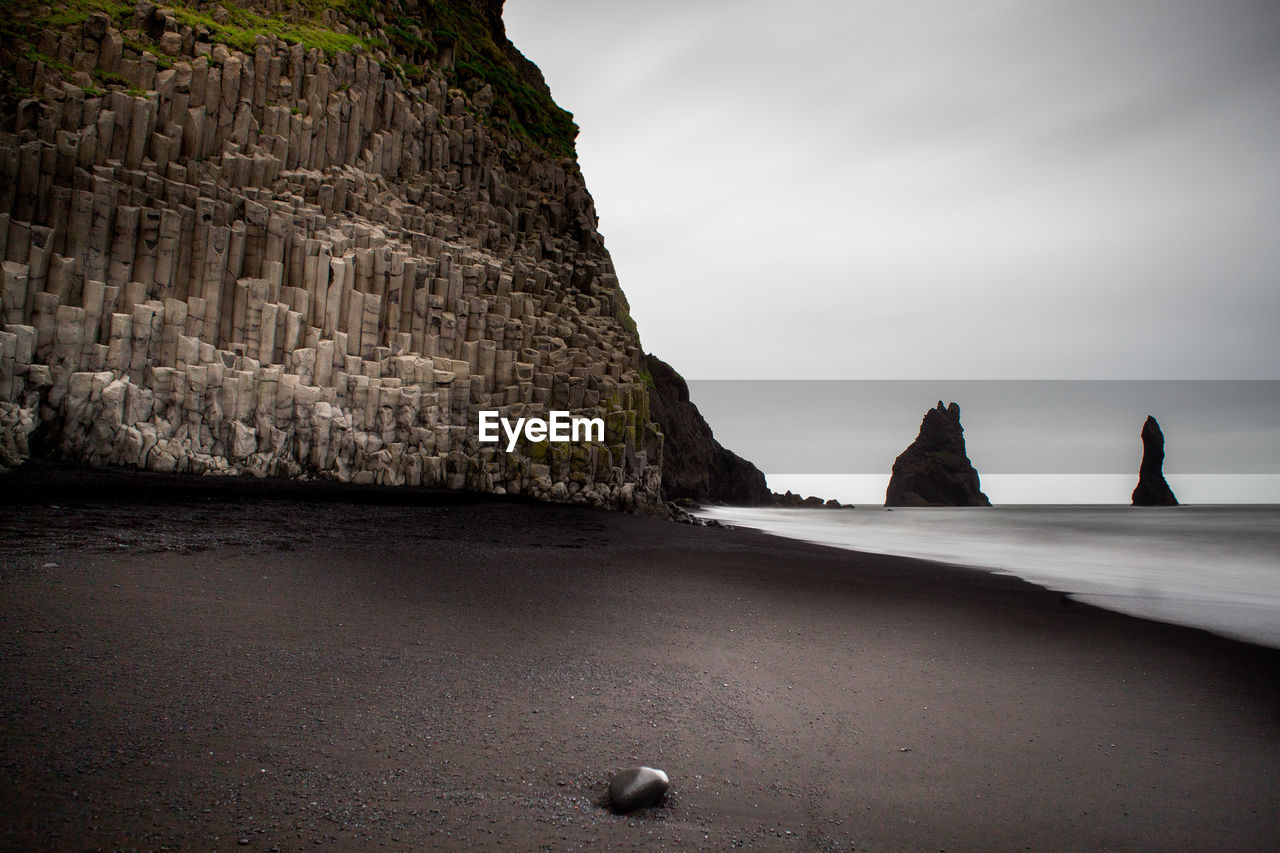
(694, 465)
(309, 244)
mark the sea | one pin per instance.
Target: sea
(1213, 567)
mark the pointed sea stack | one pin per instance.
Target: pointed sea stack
(1152, 488)
(934, 470)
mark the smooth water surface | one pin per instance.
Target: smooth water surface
(1213, 567)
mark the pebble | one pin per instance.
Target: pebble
(637, 788)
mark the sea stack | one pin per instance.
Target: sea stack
(934, 470)
(1152, 488)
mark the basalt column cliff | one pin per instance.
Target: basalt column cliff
(310, 243)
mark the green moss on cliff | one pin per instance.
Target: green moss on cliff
(444, 30)
(529, 112)
(415, 34)
(241, 27)
(238, 28)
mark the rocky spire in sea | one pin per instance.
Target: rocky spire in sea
(1152, 489)
(934, 470)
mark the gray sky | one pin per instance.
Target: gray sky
(932, 190)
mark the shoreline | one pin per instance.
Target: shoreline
(468, 674)
(1212, 572)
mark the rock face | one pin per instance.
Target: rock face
(934, 470)
(637, 788)
(226, 253)
(694, 464)
(792, 500)
(1152, 489)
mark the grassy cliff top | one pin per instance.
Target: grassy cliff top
(463, 38)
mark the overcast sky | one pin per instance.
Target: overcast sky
(942, 189)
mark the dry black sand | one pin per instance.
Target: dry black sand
(205, 667)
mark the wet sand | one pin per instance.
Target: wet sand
(204, 668)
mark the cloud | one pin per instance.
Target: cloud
(981, 189)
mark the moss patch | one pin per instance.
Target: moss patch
(418, 34)
(424, 30)
(243, 26)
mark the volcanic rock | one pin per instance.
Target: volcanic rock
(316, 258)
(694, 465)
(934, 470)
(637, 788)
(1152, 489)
(790, 499)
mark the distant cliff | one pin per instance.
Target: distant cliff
(309, 243)
(694, 464)
(935, 470)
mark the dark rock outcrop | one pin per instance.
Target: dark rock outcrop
(694, 465)
(790, 499)
(1152, 489)
(934, 470)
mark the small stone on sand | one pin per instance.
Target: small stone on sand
(637, 788)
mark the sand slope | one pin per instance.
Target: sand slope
(200, 670)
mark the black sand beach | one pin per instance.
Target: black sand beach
(200, 669)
